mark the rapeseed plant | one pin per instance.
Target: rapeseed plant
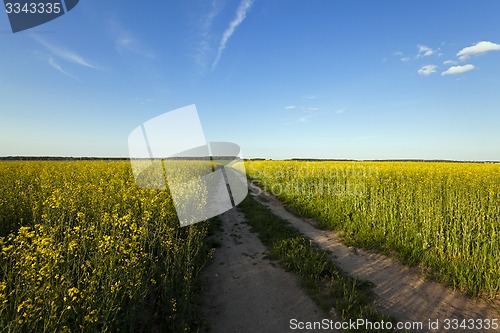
(444, 216)
(84, 249)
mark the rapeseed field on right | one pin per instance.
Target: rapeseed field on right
(442, 216)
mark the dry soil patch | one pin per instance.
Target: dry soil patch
(247, 292)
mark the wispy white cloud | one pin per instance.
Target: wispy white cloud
(127, 43)
(309, 97)
(58, 67)
(427, 70)
(143, 101)
(424, 51)
(64, 54)
(401, 56)
(301, 119)
(204, 36)
(303, 113)
(450, 62)
(124, 41)
(305, 119)
(477, 49)
(458, 69)
(241, 14)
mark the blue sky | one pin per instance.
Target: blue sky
(356, 79)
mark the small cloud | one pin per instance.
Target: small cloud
(427, 70)
(305, 119)
(342, 110)
(458, 69)
(479, 48)
(125, 42)
(143, 101)
(58, 67)
(424, 51)
(241, 14)
(305, 113)
(401, 56)
(205, 37)
(450, 62)
(302, 119)
(64, 54)
(309, 97)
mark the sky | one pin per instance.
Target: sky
(333, 79)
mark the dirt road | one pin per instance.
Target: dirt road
(248, 293)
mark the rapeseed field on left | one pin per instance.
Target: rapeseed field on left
(83, 249)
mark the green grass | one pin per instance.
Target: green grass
(328, 286)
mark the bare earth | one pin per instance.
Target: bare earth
(248, 293)
(399, 291)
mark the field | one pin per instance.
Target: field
(444, 217)
(84, 249)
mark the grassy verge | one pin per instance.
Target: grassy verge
(328, 286)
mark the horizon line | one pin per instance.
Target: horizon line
(305, 159)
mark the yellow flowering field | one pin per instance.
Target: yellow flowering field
(83, 249)
(442, 216)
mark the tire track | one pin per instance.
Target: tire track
(399, 291)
